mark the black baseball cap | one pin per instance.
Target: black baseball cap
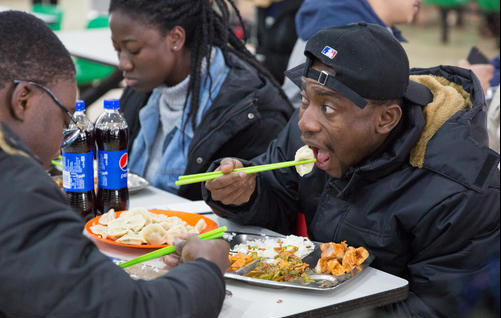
(368, 61)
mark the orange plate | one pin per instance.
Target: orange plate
(189, 218)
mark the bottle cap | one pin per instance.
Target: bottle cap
(79, 106)
(111, 104)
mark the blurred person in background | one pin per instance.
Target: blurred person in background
(276, 33)
(488, 75)
(48, 267)
(194, 92)
(315, 15)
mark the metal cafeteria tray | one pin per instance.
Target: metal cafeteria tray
(322, 282)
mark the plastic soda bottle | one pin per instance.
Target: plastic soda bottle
(112, 135)
(78, 165)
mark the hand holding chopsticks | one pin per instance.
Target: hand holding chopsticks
(214, 234)
(201, 177)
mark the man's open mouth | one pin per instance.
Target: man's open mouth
(322, 156)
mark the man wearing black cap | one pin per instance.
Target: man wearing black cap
(402, 167)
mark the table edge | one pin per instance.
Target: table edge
(372, 301)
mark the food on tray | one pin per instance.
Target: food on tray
(238, 261)
(304, 153)
(339, 259)
(139, 226)
(285, 267)
(270, 247)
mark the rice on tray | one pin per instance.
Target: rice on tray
(265, 248)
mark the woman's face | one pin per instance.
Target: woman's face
(147, 58)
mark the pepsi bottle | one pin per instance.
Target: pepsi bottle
(112, 135)
(78, 165)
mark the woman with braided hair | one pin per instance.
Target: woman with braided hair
(194, 92)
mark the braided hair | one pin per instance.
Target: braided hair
(206, 24)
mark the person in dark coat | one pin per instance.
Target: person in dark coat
(315, 15)
(48, 267)
(402, 167)
(194, 92)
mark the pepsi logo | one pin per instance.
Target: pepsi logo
(123, 162)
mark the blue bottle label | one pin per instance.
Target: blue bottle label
(78, 171)
(112, 169)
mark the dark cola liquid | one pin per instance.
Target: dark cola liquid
(83, 202)
(118, 199)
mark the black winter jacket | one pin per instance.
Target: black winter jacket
(436, 226)
(245, 116)
(49, 269)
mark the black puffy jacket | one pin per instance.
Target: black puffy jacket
(434, 222)
(50, 269)
(245, 116)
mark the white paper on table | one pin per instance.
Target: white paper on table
(192, 207)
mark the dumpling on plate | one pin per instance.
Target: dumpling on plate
(108, 217)
(154, 234)
(131, 238)
(99, 230)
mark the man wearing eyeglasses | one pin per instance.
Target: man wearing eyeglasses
(47, 267)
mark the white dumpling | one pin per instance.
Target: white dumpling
(154, 234)
(135, 222)
(148, 216)
(158, 218)
(131, 238)
(99, 230)
(108, 217)
(304, 153)
(115, 231)
(200, 226)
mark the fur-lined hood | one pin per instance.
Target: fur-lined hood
(448, 136)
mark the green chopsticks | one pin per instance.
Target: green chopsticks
(214, 234)
(200, 177)
(58, 162)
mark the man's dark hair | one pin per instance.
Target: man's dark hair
(29, 50)
(206, 23)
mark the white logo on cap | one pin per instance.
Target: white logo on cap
(329, 52)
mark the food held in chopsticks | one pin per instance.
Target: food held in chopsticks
(201, 177)
(139, 226)
(339, 259)
(304, 153)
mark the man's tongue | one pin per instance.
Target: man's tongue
(322, 156)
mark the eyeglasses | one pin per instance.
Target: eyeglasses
(69, 134)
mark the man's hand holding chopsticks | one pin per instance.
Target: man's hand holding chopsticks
(232, 188)
(190, 247)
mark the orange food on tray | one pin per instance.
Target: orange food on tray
(339, 258)
(238, 261)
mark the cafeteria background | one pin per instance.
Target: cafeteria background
(425, 47)
(469, 26)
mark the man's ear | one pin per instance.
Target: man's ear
(19, 101)
(389, 117)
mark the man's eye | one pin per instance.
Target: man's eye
(304, 100)
(328, 109)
